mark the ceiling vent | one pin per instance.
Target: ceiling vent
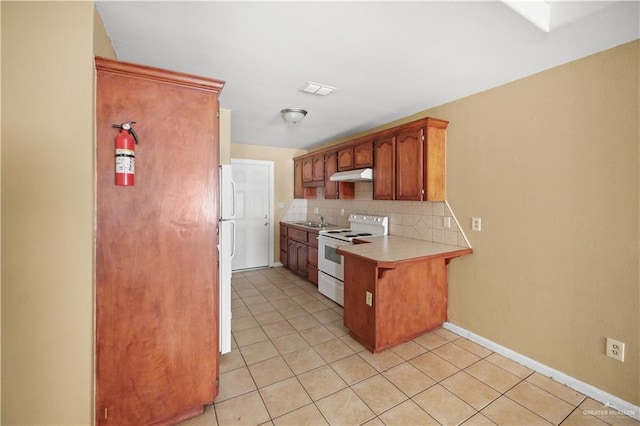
(317, 88)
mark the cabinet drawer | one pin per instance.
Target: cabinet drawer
(312, 239)
(296, 234)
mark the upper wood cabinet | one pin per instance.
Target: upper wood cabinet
(409, 159)
(384, 172)
(345, 159)
(330, 167)
(435, 161)
(355, 156)
(313, 170)
(299, 189)
(307, 170)
(335, 190)
(410, 162)
(318, 168)
(363, 155)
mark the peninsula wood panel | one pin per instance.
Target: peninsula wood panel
(412, 299)
(156, 274)
(360, 318)
(409, 298)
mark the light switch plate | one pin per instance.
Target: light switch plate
(476, 224)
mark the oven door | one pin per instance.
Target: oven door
(329, 261)
(331, 287)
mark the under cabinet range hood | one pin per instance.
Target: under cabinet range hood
(353, 176)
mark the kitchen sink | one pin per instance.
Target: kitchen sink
(313, 224)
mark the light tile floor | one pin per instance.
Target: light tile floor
(294, 363)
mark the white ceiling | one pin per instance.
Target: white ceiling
(387, 59)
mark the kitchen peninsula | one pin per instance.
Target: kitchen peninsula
(395, 288)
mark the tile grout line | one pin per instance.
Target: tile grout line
(266, 288)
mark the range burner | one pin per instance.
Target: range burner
(361, 226)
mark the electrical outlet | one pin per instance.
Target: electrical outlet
(316, 210)
(369, 298)
(615, 349)
(446, 222)
(476, 224)
(341, 212)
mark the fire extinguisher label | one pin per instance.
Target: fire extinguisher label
(125, 161)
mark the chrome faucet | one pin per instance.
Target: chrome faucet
(322, 222)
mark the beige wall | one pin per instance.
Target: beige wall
(47, 212)
(101, 42)
(282, 180)
(551, 164)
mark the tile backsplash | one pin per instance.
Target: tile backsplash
(412, 219)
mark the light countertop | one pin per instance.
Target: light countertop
(390, 249)
(300, 224)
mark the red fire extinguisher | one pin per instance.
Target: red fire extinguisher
(125, 154)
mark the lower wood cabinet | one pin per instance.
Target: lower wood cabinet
(283, 245)
(312, 272)
(299, 251)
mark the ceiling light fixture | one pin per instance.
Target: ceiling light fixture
(317, 88)
(293, 115)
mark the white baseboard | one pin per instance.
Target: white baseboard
(276, 264)
(586, 389)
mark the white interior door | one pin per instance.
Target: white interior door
(254, 197)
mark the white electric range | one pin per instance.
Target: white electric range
(330, 263)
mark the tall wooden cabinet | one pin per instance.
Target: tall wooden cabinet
(155, 255)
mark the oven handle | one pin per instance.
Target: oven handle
(328, 241)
